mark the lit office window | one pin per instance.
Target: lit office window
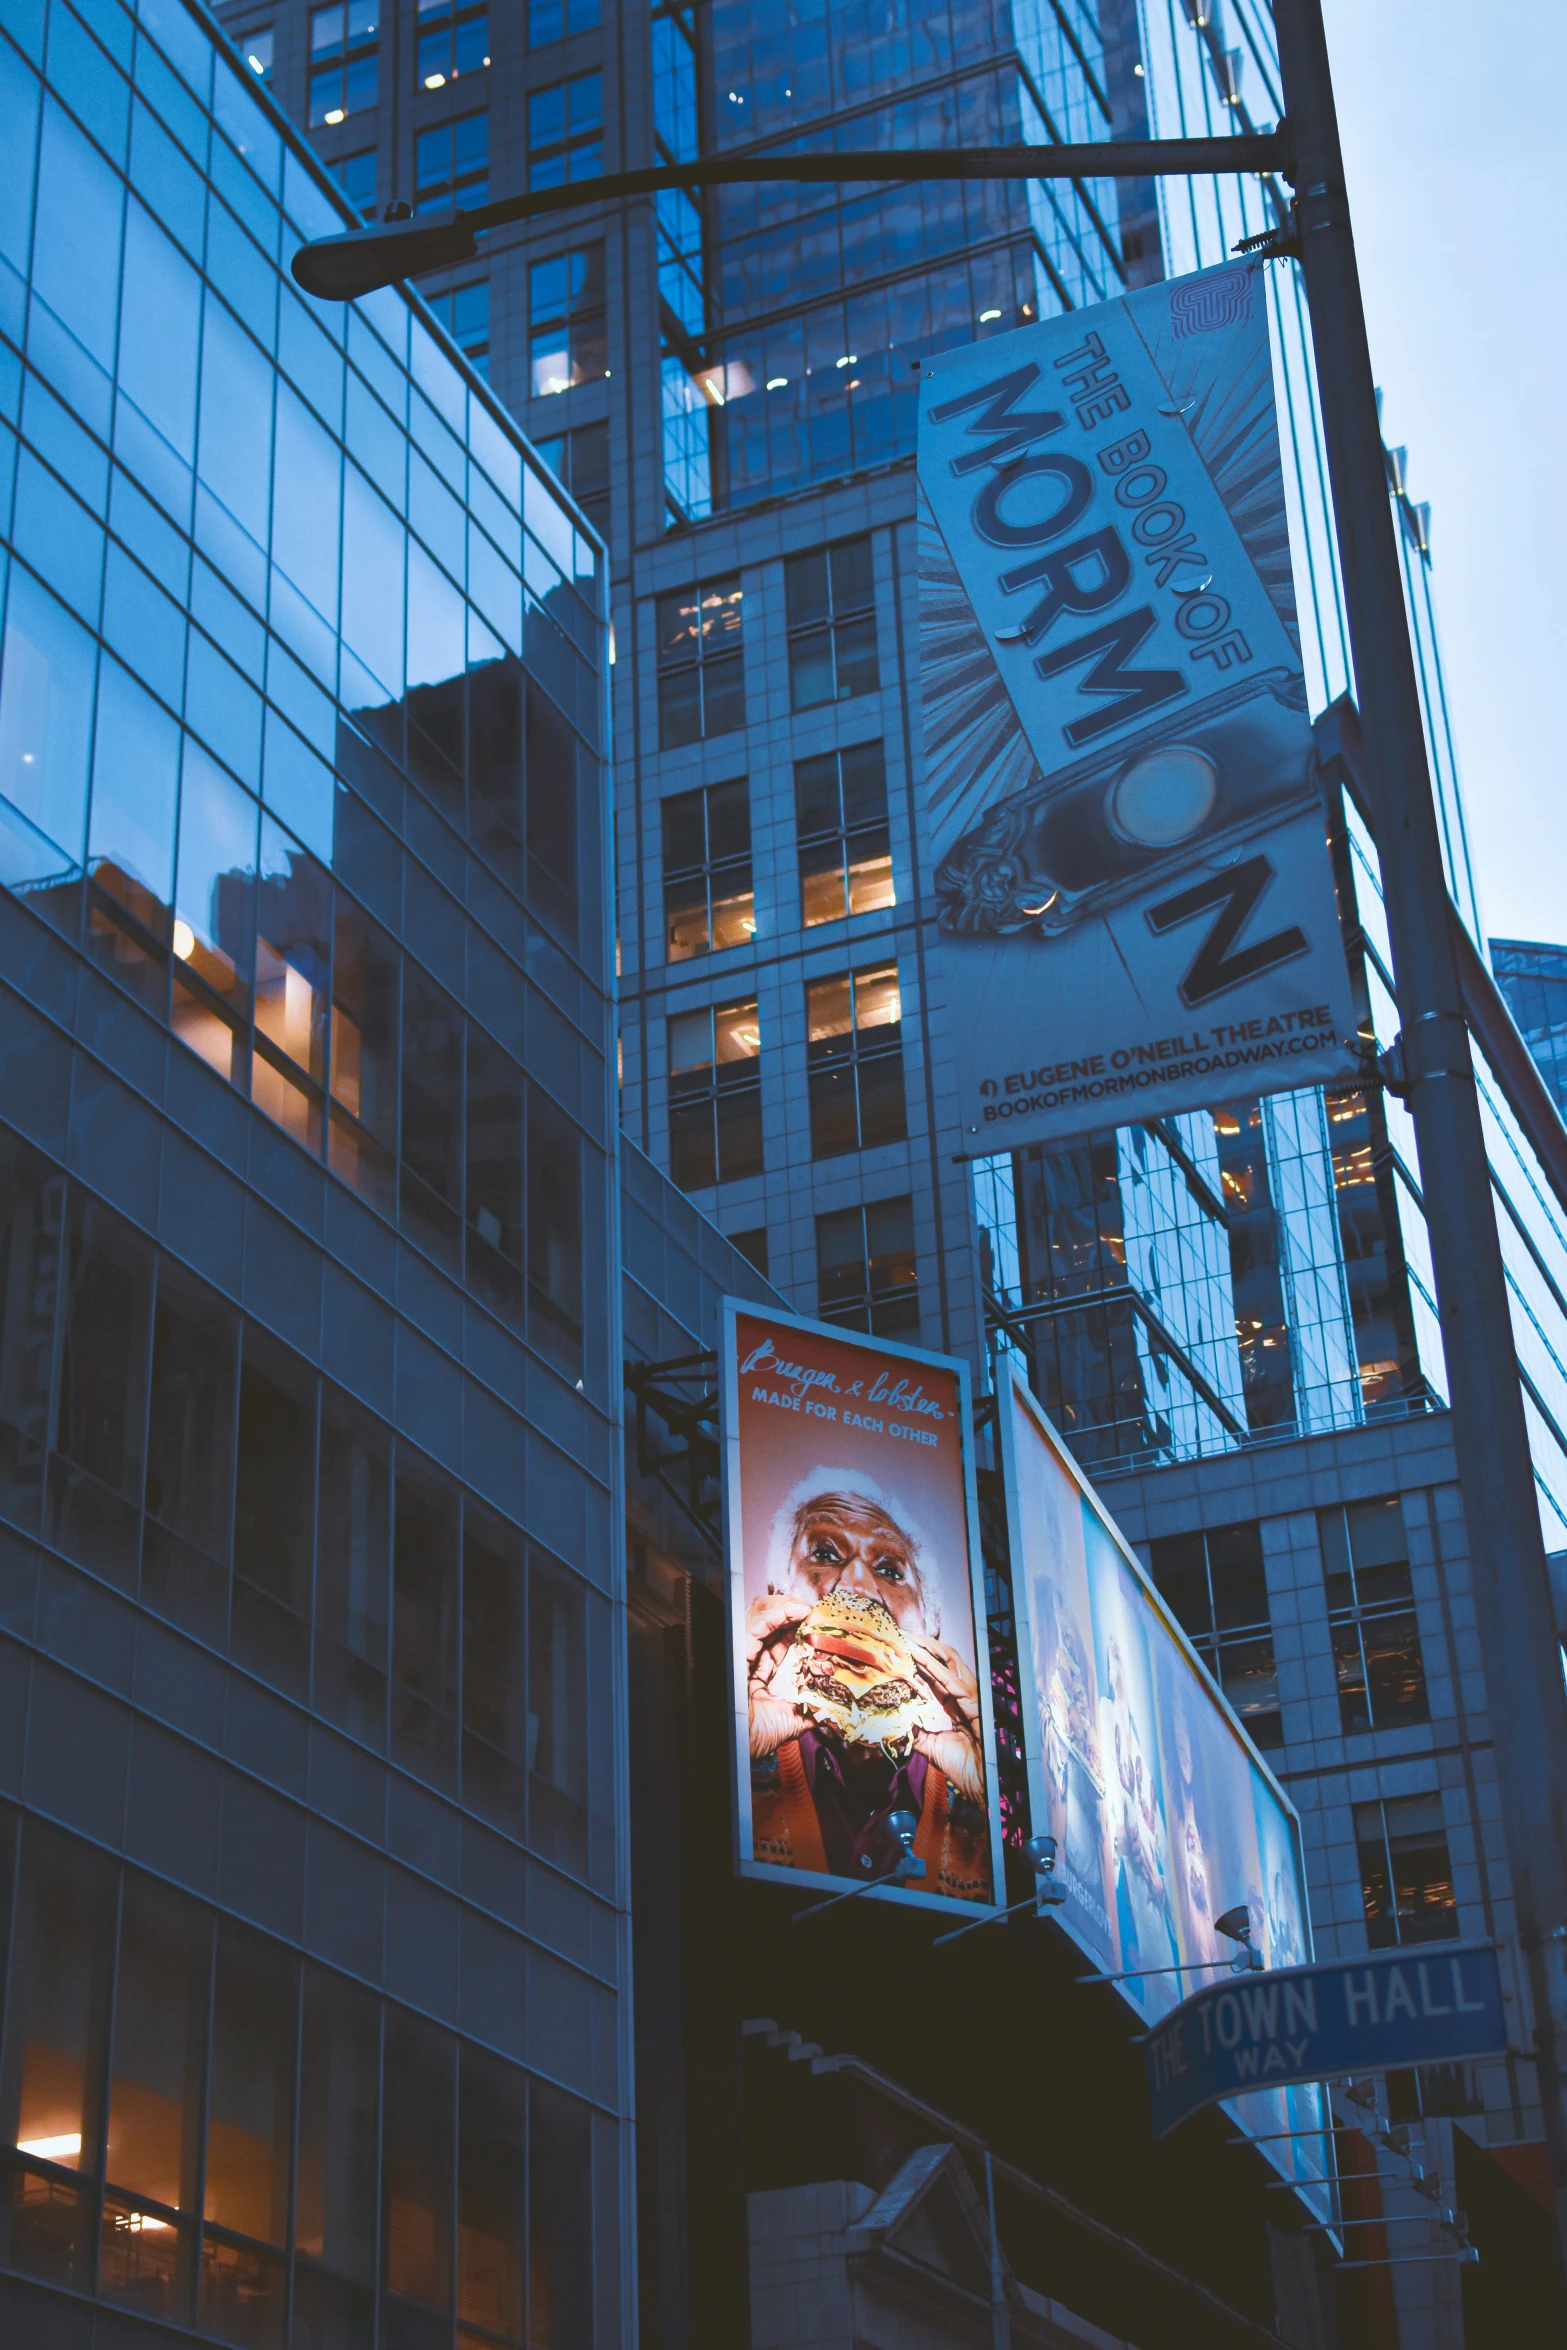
(566, 325)
(554, 20)
(566, 131)
(1216, 1586)
(256, 47)
(580, 459)
(343, 59)
(854, 1056)
(453, 40)
(840, 803)
(1371, 1615)
(708, 899)
(701, 673)
(715, 1095)
(865, 1268)
(452, 163)
(1406, 1874)
(464, 311)
(356, 176)
(830, 595)
(311, 2112)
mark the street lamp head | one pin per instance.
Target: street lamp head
(341, 268)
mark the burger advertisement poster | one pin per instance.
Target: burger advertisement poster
(861, 1673)
(1165, 1816)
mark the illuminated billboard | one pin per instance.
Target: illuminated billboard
(857, 1618)
(1134, 895)
(1165, 1816)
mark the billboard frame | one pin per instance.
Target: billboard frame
(903, 1895)
(1319, 2192)
(1010, 1386)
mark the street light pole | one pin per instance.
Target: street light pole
(1513, 1607)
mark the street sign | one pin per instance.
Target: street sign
(1306, 2023)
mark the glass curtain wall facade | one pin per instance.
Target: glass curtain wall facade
(312, 1869)
(1533, 979)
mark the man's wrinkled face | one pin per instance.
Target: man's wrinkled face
(865, 1553)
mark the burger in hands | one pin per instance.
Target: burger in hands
(853, 1671)
(845, 1642)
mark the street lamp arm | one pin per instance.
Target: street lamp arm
(340, 268)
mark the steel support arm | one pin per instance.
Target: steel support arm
(339, 269)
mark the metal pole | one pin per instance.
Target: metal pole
(1000, 2321)
(1513, 1608)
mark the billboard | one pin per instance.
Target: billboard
(1164, 1815)
(857, 1614)
(1133, 882)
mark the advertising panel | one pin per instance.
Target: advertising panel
(1164, 1815)
(1134, 889)
(857, 1616)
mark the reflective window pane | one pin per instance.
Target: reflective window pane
(274, 1511)
(101, 1394)
(353, 1561)
(419, 2129)
(160, 2027)
(339, 2130)
(425, 1625)
(492, 2209)
(250, 2105)
(130, 843)
(46, 702)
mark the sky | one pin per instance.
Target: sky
(1450, 118)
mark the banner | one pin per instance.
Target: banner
(1165, 1816)
(1134, 889)
(857, 1614)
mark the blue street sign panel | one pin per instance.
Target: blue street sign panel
(1306, 2023)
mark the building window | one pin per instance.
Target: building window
(715, 1095)
(1216, 1587)
(854, 1055)
(832, 624)
(453, 40)
(1533, 979)
(464, 311)
(701, 675)
(840, 803)
(580, 459)
(1371, 1615)
(1405, 1873)
(356, 176)
(553, 20)
(865, 1270)
(256, 49)
(343, 60)
(752, 1246)
(566, 131)
(708, 900)
(566, 319)
(452, 163)
(187, 2033)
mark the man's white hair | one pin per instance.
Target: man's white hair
(854, 1487)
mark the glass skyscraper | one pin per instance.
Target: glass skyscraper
(313, 1879)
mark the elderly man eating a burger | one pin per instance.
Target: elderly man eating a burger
(857, 1706)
